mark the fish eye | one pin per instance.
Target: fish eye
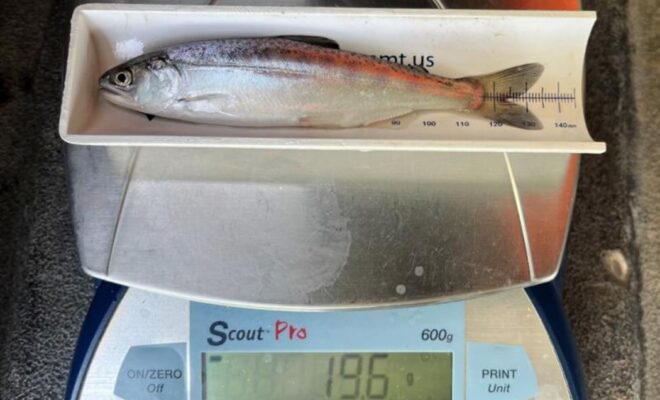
(123, 78)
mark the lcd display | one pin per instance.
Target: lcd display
(327, 376)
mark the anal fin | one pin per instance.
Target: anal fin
(350, 120)
(399, 122)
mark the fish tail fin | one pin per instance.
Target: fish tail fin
(500, 91)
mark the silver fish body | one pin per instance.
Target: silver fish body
(273, 82)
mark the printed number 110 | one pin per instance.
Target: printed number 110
(351, 376)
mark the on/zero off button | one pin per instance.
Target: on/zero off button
(499, 372)
(153, 373)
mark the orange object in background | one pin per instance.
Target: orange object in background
(539, 4)
(516, 4)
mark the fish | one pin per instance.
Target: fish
(296, 82)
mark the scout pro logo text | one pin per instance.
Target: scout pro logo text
(220, 332)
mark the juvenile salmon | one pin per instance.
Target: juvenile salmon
(275, 82)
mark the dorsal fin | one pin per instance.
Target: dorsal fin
(419, 69)
(313, 40)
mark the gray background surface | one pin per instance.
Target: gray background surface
(612, 288)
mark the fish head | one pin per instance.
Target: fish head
(148, 84)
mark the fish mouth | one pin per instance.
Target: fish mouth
(107, 87)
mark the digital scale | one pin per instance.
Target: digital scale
(243, 274)
(138, 345)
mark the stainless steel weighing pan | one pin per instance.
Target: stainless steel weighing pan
(320, 230)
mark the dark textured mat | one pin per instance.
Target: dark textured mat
(44, 296)
(644, 22)
(605, 312)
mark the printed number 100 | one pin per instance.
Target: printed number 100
(351, 377)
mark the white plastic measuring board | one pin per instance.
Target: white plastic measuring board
(448, 43)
